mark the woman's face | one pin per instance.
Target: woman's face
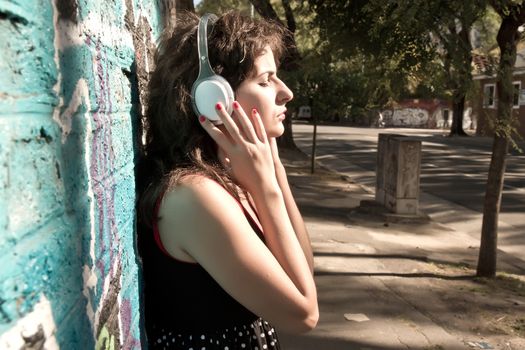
(263, 90)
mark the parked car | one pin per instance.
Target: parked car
(304, 113)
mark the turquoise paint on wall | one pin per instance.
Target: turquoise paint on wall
(67, 188)
(28, 71)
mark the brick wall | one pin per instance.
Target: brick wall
(71, 72)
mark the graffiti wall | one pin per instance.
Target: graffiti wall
(69, 111)
(406, 117)
(432, 118)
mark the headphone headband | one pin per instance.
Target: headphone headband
(205, 69)
(209, 88)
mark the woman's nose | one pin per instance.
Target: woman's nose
(284, 94)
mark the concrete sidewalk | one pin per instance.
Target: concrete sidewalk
(511, 240)
(398, 286)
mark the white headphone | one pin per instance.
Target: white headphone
(209, 88)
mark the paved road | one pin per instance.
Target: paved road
(454, 169)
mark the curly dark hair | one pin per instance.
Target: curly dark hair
(175, 143)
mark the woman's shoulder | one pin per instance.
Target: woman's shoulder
(197, 191)
(197, 184)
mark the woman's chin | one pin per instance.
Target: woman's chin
(276, 131)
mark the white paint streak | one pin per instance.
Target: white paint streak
(67, 35)
(58, 85)
(90, 282)
(89, 275)
(108, 34)
(81, 93)
(40, 317)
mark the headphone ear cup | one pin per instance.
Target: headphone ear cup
(208, 92)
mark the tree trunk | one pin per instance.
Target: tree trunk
(169, 9)
(487, 260)
(185, 5)
(508, 37)
(463, 77)
(458, 107)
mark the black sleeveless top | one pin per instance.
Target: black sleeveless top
(185, 304)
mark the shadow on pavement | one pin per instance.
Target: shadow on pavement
(391, 274)
(311, 342)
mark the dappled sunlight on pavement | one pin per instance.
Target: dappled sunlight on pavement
(399, 286)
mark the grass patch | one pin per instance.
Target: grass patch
(518, 326)
(513, 284)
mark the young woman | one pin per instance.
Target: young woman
(225, 251)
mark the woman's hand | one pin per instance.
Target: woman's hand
(275, 151)
(247, 148)
(278, 165)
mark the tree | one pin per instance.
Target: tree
(414, 38)
(379, 45)
(453, 32)
(448, 26)
(218, 7)
(512, 15)
(169, 8)
(185, 5)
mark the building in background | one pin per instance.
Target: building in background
(424, 113)
(485, 102)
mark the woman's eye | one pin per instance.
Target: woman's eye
(264, 83)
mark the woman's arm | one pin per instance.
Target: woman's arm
(201, 219)
(291, 207)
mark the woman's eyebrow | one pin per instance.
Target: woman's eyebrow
(269, 72)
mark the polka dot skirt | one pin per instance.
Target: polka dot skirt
(258, 335)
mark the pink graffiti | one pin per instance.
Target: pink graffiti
(130, 342)
(102, 165)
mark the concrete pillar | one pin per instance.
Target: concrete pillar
(398, 170)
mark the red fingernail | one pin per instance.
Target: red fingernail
(218, 106)
(254, 110)
(235, 104)
(202, 118)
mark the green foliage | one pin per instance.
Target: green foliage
(486, 29)
(380, 57)
(419, 48)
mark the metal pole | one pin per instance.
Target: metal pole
(314, 141)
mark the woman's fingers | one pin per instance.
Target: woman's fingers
(216, 134)
(259, 127)
(228, 122)
(245, 123)
(242, 128)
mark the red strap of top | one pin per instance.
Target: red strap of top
(156, 234)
